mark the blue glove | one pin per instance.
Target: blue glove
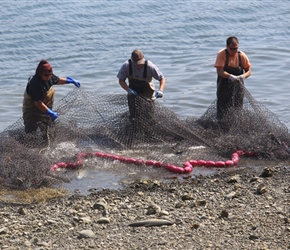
(71, 80)
(51, 114)
(159, 94)
(131, 92)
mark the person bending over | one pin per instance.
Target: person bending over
(39, 98)
(141, 74)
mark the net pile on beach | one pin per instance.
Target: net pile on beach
(93, 129)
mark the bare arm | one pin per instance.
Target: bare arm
(162, 83)
(62, 80)
(222, 73)
(247, 73)
(41, 106)
(123, 84)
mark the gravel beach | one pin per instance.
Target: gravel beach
(243, 209)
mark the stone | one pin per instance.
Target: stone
(86, 234)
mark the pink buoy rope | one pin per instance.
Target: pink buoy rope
(228, 163)
(187, 166)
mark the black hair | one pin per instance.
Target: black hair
(232, 40)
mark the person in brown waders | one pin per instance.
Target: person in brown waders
(39, 98)
(140, 74)
(232, 66)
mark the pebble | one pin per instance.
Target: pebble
(163, 212)
(267, 172)
(86, 234)
(153, 209)
(103, 220)
(151, 223)
(200, 202)
(224, 214)
(261, 189)
(231, 195)
(86, 219)
(3, 230)
(221, 211)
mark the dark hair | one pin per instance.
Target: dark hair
(43, 68)
(232, 40)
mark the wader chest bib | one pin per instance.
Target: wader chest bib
(142, 86)
(145, 90)
(32, 116)
(229, 94)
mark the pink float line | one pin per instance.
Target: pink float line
(187, 166)
(220, 164)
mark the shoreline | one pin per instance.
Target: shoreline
(247, 209)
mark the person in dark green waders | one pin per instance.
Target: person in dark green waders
(141, 74)
(232, 66)
(39, 98)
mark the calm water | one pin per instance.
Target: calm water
(89, 40)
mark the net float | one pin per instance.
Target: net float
(150, 162)
(209, 163)
(201, 163)
(220, 164)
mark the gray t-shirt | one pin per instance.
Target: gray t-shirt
(152, 71)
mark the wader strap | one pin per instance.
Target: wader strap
(227, 59)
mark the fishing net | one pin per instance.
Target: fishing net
(93, 129)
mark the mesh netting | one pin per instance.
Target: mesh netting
(91, 124)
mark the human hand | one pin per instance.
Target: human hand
(233, 78)
(75, 82)
(131, 92)
(51, 114)
(241, 78)
(159, 94)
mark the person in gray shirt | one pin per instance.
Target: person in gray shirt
(141, 74)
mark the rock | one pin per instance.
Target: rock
(103, 220)
(195, 225)
(186, 197)
(153, 209)
(86, 219)
(231, 195)
(253, 237)
(254, 179)
(224, 214)
(27, 243)
(43, 244)
(200, 202)
(233, 179)
(151, 223)
(3, 230)
(86, 234)
(178, 205)
(267, 172)
(163, 212)
(22, 211)
(100, 205)
(178, 221)
(261, 189)
(172, 190)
